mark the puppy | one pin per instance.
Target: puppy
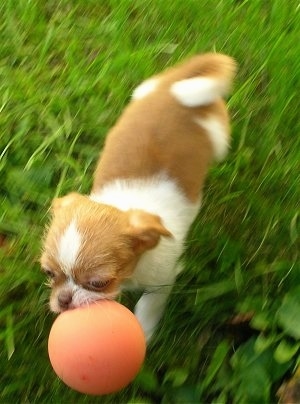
(130, 231)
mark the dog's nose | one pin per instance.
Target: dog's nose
(64, 299)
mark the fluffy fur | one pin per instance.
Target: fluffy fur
(130, 230)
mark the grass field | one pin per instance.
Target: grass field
(231, 331)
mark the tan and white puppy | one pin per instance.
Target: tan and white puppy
(147, 189)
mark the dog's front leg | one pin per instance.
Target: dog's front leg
(150, 308)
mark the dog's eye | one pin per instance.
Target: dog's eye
(98, 284)
(49, 273)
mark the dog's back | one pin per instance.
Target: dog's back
(176, 124)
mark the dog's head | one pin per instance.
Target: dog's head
(90, 248)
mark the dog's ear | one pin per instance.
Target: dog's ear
(65, 201)
(145, 230)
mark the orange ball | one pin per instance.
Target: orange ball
(97, 349)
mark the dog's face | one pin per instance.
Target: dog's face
(91, 248)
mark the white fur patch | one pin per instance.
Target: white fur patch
(68, 248)
(145, 88)
(158, 195)
(161, 196)
(217, 134)
(197, 91)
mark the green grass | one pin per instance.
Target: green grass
(67, 70)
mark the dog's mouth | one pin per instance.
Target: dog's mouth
(81, 299)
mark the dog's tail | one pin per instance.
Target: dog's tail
(202, 79)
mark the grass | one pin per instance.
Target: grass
(231, 329)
